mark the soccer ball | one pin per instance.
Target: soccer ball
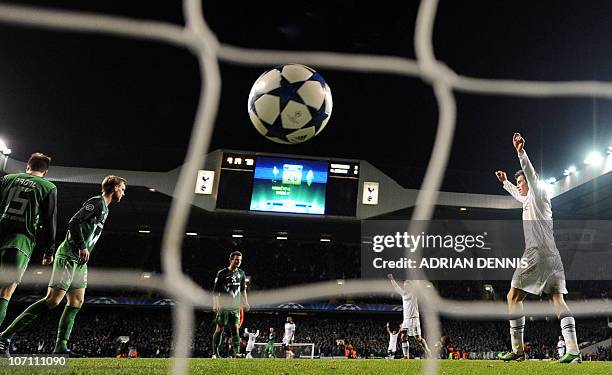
(290, 103)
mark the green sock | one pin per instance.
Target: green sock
(3, 307)
(25, 318)
(216, 343)
(65, 328)
(236, 342)
(215, 347)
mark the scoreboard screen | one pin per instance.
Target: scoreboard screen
(287, 185)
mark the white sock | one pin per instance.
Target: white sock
(568, 330)
(405, 347)
(517, 327)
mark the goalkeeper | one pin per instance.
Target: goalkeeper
(270, 345)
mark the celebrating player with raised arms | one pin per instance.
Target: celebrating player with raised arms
(26, 200)
(392, 348)
(69, 277)
(544, 272)
(229, 293)
(411, 325)
(251, 343)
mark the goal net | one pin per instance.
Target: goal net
(197, 37)
(300, 350)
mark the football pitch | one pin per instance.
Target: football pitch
(316, 366)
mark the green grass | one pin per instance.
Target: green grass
(316, 366)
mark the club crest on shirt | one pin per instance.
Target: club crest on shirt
(233, 286)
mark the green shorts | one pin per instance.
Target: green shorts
(225, 317)
(68, 274)
(13, 263)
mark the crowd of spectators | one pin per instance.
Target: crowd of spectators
(99, 332)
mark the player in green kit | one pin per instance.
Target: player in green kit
(229, 293)
(69, 277)
(269, 350)
(27, 201)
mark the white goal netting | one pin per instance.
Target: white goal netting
(196, 36)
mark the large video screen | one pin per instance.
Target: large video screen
(289, 185)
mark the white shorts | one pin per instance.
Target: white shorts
(544, 273)
(392, 348)
(412, 326)
(287, 340)
(250, 347)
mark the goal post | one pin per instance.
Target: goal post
(300, 350)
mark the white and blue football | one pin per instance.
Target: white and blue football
(290, 103)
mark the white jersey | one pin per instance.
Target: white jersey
(410, 304)
(252, 338)
(392, 342)
(561, 348)
(544, 271)
(537, 212)
(289, 333)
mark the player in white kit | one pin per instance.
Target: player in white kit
(544, 271)
(411, 325)
(288, 337)
(251, 343)
(561, 347)
(392, 342)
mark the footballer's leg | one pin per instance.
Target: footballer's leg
(220, 321)
(52, 299)
(217, 338)
(64, 328)
(515, 299)
(61, 278)
(555, 287)
(13, 264)
(284, 345)
(235, 339)
(405, 344)
(76, 296)
(568, 329)
(415, 330)
(6, 292)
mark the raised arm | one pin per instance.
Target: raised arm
(509, 186)
(395, 284)
(527, 167)
(388, 330)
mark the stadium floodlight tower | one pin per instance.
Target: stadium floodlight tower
(5, 153)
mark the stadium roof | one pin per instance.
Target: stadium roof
(580, 196)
